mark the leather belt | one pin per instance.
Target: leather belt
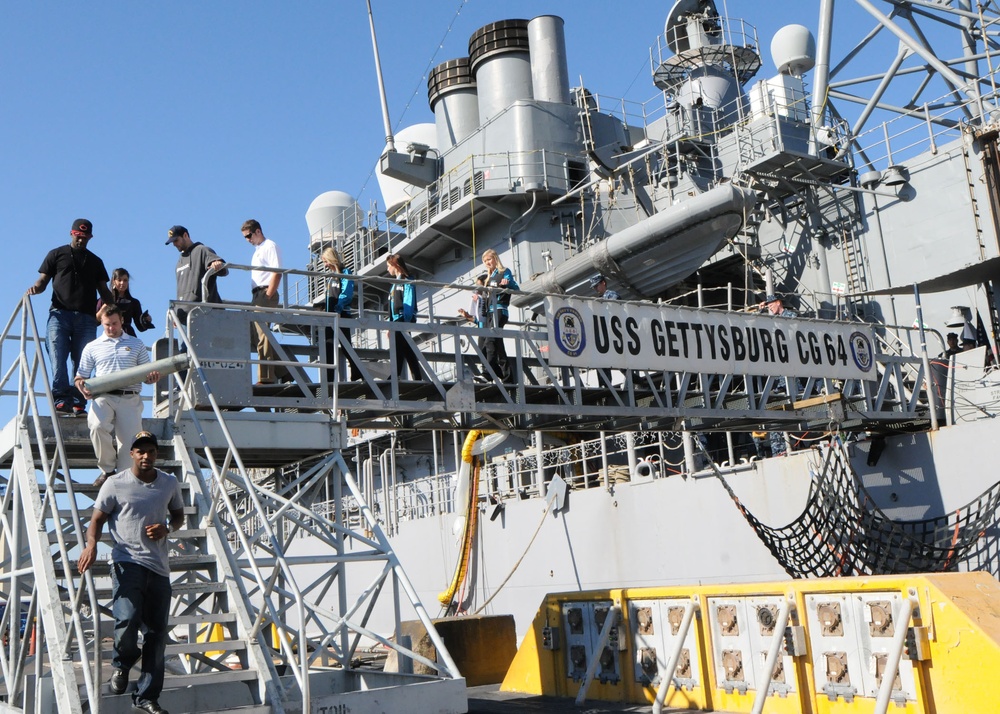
(121, 392)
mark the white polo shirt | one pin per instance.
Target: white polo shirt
(265, 255)
(105, 355)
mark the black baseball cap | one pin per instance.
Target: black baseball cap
(145, 437)
(175, 233)
(83, 226)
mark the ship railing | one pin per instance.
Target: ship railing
(601, 462)
(722, 32)
(362, 244)
(447, 352)
(918, 130)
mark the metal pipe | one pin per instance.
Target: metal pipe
(604, 460)
(773, 656)
(540, 464)
(630, 450)
(609, 623)
(687, 440)
(390, 144)
(132, 375)
(922, 51)
(895, 653)
(675, 656)
(821, 71)
(925, 360)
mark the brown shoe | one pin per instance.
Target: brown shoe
(101, 479)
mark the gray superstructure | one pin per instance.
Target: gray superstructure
(853, 196)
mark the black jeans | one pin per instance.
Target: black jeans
(140, 598)
(494, 349)
(330, 373)
(406, 356)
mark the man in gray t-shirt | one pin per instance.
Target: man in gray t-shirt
(136, 504)
(195, 260)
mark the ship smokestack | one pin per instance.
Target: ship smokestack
(501, 63)
(451, 93)
(549, 70)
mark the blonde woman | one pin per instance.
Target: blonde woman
(338, 296)
(497, 313)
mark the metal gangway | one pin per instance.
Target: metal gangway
(249, 631)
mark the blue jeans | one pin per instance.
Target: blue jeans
(140, 597)
(68, 333)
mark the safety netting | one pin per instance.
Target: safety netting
(841, 531)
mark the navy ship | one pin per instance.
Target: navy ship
(702, 385)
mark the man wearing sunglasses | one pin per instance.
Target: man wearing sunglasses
(263, 292)
(77, 276)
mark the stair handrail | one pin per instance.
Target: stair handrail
(30, 370)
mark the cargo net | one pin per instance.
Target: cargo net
(842, 532)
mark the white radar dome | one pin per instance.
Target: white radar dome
(793, 50)
(331, 216)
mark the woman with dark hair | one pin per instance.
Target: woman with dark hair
(129, 307)
(403, 308)
(337, 298)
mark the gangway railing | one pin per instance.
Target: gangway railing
(457, 386)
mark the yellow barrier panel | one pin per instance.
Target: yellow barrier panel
(212, 633)
(843, 636)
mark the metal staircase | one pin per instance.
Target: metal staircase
(248, 633)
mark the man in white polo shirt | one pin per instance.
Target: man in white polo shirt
(264, 292)
(118, 411)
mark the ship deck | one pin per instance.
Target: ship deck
(488, 699)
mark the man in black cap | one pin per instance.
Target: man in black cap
(136, 504)
(77, 276)
(195, 261)
(774, 305)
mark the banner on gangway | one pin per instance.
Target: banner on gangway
(607, 333)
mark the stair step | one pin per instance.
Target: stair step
(215, 618)
(180, 648)
(177, 589)
(85, 513)
(218, 691)
(176, 681)
(178, 563)
(183, 534)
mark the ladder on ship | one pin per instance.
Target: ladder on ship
(248, 633)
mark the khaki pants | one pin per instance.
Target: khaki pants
(261, 344)
(121, 415)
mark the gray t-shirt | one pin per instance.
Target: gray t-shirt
(133, 505)
(191, 268)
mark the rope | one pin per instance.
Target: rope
(541, 522)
